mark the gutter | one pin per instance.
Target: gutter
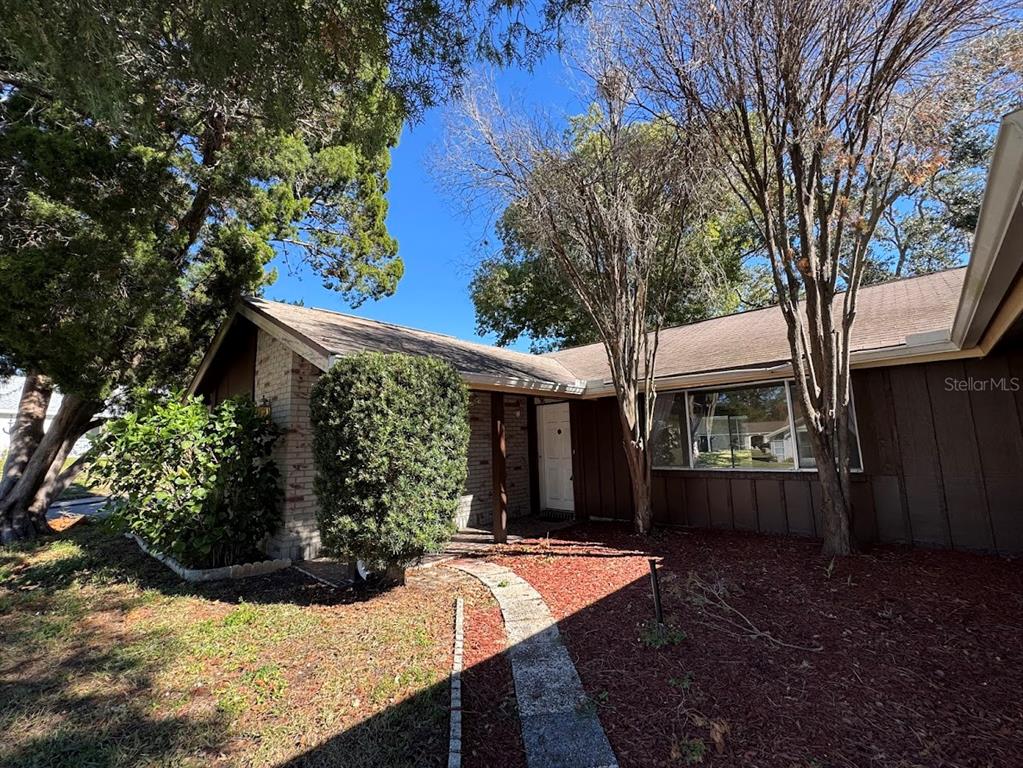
(522, 385)
(918, 348)
(517, 384)
(600, 388)
(994, 262)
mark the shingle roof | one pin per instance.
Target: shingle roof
(886, 314)
(339, 334)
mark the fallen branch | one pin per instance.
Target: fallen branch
(709, 600)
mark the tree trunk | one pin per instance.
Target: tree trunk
(28, 429)
(56, 481)
(20, 514)
(644, 517)
(835, 513)
(635, 441)
(639, 474)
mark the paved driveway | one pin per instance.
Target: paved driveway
(91, 506)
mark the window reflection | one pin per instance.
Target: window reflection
(744, 428)
(806, 458)
(735, 428)
(667, 436)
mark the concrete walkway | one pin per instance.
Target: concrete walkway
(469, 542)
(560, 728)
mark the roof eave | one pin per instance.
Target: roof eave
(919, 348)
(994, 262)
(522, 385)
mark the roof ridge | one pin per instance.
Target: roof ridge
(554, 353)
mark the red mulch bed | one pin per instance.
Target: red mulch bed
(490, 721)
(921, 660)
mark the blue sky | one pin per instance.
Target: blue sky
(435, 240)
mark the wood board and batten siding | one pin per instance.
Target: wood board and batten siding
(233, 370)
(942, 467)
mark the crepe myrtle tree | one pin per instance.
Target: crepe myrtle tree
(612, 203)
(154, 156)
(819, 110)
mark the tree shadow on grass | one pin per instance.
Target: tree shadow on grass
(113, 557)
(75, 694)
(82, 688)
(66, 721)
(413, 732)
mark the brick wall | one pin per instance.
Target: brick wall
(477, 504)
(476, 507)
(517, 466)
(284, 380)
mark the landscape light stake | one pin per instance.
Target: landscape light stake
(656, 587)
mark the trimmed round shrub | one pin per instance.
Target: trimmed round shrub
(195, 483)
(390, 433)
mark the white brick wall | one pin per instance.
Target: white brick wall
(284, 380)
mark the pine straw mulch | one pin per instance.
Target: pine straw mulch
(888, 658)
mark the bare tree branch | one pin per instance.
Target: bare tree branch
(612, 200)
(817, 108)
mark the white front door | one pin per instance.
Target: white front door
(556, 457)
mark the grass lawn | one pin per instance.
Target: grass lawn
(743, 458)
(776, 657)
(106, 659)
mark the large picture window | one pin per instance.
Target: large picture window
(741, 428)
(751, 427)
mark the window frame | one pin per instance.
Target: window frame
(787, 383)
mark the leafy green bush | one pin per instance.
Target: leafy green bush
(390, 434)
(194, 483)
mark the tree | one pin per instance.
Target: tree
(612, 202)
(930, 225)
(518, 291)
(154, 156)
(818, 108)
(83, 284)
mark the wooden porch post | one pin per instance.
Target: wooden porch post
(499, 457)
(532, 455)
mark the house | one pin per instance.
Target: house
(937, 400)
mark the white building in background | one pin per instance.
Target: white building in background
(10, 396)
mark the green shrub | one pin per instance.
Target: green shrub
(194, 483)
(390, 434)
